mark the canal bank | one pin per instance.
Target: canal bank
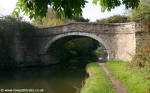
(100, 80)
(97, 82)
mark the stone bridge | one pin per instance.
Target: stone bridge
(117, 38)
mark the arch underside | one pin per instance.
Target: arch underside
(51, 49)
(118, 46)
(57, 37)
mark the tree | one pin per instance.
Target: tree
(51, 20)
(142, 14)
(68, 8)
(81, 19)
(78, 52)
(115, 19)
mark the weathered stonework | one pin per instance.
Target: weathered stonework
(117, 38)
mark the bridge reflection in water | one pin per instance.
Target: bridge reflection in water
(50, 79)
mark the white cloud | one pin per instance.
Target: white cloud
(7, 6)
(1, 12)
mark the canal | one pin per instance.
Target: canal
(51, 79)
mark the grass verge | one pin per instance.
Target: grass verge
(98, 82)
(133, 81)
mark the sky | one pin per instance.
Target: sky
(92, 12)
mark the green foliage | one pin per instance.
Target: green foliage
(101, 53)
(38, 21)
(142, 12)
(114, 19)
(78, 52)
(36, 8)
(10, 28)
(110, 4)
(51, 20)
(141, 60)
(133, 81)
(67, 8)
(81, 19)
(5, 58)
(98, 82)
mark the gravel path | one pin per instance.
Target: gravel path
(115, 83)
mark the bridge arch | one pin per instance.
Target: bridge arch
(118, 39)
(90, 35)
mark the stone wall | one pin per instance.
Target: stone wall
(117, 38)
(141, 34)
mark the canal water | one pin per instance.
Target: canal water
(50, 79)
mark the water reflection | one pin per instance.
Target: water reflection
(52, 79)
